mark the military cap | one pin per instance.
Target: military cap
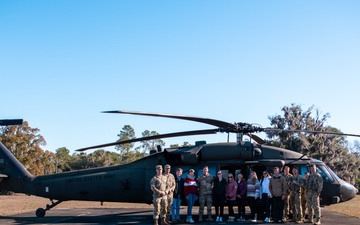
(159, 167)
(167, 166)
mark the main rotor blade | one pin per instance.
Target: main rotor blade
(11, 122)
(308, 131)
(178, 134)
(258, 139)
(217, 123)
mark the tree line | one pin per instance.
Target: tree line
(334, 150)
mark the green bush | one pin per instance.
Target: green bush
(357, 185)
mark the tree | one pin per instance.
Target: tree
(331, 149)
(24, 142)
(146, 146)
(185, 144)
(63, 160)
(126, 133)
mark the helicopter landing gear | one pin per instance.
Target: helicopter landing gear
(40, 212)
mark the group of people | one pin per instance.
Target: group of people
(281, 194)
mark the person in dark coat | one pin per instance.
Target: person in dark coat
(219, 195)
(241, 196)
(178, 195)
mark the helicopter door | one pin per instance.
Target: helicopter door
(332, 188)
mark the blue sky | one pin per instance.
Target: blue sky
(63, 62)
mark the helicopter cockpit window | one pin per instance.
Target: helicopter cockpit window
(324, 173)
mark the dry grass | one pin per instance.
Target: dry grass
(19, 203)
(351, 208)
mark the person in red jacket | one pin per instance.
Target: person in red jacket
(190, 191)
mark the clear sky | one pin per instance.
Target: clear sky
(63, 62)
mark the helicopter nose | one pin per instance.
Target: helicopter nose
(347, 191)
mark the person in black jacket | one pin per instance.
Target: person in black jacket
(219, 195)
(178, 195)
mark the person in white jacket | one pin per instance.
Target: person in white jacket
(265, 194)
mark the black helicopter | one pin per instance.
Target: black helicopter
(130, 182)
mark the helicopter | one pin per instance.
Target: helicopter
(131, 182)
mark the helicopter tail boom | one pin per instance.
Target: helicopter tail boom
(14, 176)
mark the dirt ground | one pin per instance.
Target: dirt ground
(19, 203)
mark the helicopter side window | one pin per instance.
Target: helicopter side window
(303, 170)
(324, 173)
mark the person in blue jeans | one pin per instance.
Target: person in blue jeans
(178, 195)
(190, 191)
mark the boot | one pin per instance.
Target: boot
(200, 218)
(209, 218)
(191, 220)
(163, 221)
(168, 219)
(156, 221)
(317, 222)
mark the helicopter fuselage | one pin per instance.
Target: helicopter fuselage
(130, 182)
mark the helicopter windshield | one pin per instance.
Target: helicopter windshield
(323, 171)
(334, 174)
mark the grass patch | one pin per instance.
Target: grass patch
(351, 207)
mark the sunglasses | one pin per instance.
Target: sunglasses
(219, 174)
(230, 177)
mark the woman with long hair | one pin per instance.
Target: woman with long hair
(253, 189)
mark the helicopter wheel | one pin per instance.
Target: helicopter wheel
(40, 212)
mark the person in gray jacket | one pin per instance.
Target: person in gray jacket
(278, 188)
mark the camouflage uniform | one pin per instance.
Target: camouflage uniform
(303, 200)
(314, 186)
(170, 187)
(287, 201)
(205, 184)
(297, 182)
(158, 185)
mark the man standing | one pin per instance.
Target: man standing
(158, 186)
(178, 195)
(314, 187)
(288, 205)
(278, 189)
(297, 182)
(305, 198)
(205, 183)
(170, 187)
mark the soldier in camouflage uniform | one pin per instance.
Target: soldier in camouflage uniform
(158, 186)
(205, 183)
(287, 202)
(297, 182)
(314, 187)
(170, 187)
(303, 197)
